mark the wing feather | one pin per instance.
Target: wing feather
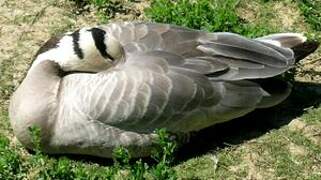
(173, 75)
(222, 56)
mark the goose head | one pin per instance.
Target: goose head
(84, 50)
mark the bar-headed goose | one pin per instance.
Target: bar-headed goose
(97, 88)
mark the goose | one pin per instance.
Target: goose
(112, 85)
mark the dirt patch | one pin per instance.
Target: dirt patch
(297, 125)
(313, 133)
(297, 150)
(283, 15)
(310, 69)
(136, 11)
(289, 15)
(310, 131)
(249, 11)
(253, 172)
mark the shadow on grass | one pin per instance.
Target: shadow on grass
(253, 125)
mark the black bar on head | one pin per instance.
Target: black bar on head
(99, 38)
(75, 39)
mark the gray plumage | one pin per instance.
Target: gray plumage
(168, 77)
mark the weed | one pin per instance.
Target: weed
(121, 157)
(165, 148)
(11, 166)
(139, 169)
(35, 133)
(60, 169)
(163, 155)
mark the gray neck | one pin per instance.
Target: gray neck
(34, 102)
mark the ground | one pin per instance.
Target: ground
(279, 143)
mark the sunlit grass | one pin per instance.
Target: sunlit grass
(287, 152)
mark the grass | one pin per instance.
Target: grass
(311, 9)
(10, 161)
(212, 15)
(283, 143)
(106, 9)
(45, 167)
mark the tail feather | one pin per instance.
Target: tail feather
(286, 40)
(295, 41)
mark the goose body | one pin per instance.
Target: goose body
(124, 80)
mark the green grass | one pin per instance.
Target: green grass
(11, 165)
(291, 151)
(311, 9)
(41, 166)
(210, 15)
(313, 115)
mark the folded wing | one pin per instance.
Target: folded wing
(181, 79)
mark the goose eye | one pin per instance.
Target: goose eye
(99, 36)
